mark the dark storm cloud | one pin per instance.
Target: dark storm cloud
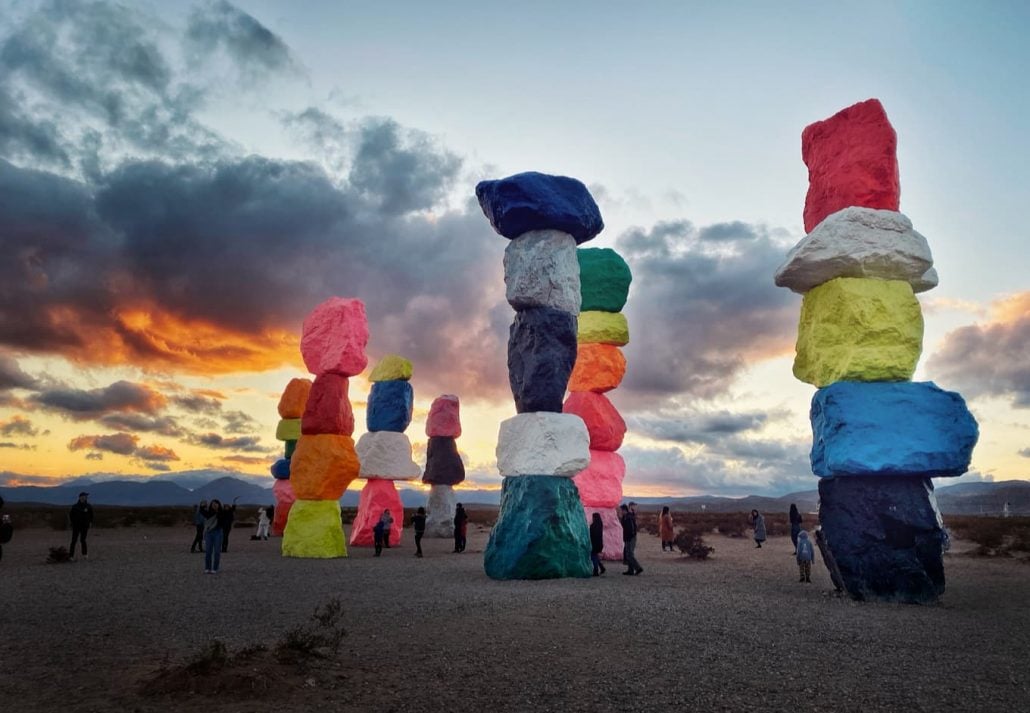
(247, 444)
(139, 423)
(222, 26)
(701, 309)
(18, 426)
(22, 137)
(691, 427)
(81, 404)
(196, 403)
(121, 443)
(11, 375)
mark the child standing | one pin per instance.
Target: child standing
(805, 554)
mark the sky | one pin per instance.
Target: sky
(181, 183)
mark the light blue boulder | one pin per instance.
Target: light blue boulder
(890, 428)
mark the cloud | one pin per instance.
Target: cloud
(121, 443)
(198, 403)
(686, 426)
(80, 404)
(94, 456)
(18, 425)
(164, 425)
(991, 359)
(222, 27)
(1025, 452)
(247, 444)
(239, 422)
(11, 375)
(20, 446)
(155, 453)
(248, 460)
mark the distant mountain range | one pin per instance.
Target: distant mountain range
(189, 487)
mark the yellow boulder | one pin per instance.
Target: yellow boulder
(391, 368)
(314, 530)
(603, 328)
(858, 329)
(323, 465)
(288, 429)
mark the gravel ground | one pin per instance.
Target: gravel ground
(735, 633)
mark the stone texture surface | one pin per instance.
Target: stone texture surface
(859, 242)
(390, 406)
(376, 496)
(391, 368)
(598, 368)
(328, 409)
(603, 328)
(314, 530)
(612, 551)
(604, 279)
(444, 417)
(284, 496)
(854, 329)
(600, 484)
(334, 338)
(928, 281)
(884, 428)
(323, 466)
(541, 353)
(603, 421)
(290, 447)
(295, 396)
(538, 201)
(541, 270)
(386, 455)
(440, 511)
(540, 531)
(288, 429)
(543, 444)
(852, 161)
(885, 535)
(443, 462)
(281, 469)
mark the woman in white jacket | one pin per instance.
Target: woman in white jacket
(263, 523)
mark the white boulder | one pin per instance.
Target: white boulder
(386, 455)
(543, 443)
(440, 511)
(859, 242)
(541, 270)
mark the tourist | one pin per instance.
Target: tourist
(377, 537)
(81, 517)
(795, 525)
(758, 523)
(6, 530)
(461, 520)
(805, 554)
(387, 519)
(418, 521)
(227, 519)
(263, 523)
(597, 544)
(215, 519)
(665, 528)
(629, 539)
(198, 526)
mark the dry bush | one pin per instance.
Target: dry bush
(691, 543)
(994, 536)
(58, 555)
(321, 636)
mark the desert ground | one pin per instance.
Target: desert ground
(734, 633)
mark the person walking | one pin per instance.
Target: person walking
(198, 526)
(795, 525)
(81, 517)
(263, 523)
(758, 523)
(597, 544)
(665, 528)
(227, 520)
(629, 539)
(215, 519)
(805, 554)
(461, 520)
(418, 522)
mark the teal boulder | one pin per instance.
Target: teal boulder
(541, 532)
(604, 279)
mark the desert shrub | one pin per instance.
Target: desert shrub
(321, 636)
(58, 555)
(211, 659)
(731, 524)
(994, 536)
(691, 543)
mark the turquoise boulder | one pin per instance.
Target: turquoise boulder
(540, 532)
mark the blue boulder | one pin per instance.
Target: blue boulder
(281, 469)
(541, 532)
(389, 406)
(538, 201)
(883, 536)
(890, 428)
(541, 354)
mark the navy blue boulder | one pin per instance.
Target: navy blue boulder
(281, 469)
(538, 201)
(541, 354)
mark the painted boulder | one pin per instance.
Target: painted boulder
(294, 398)
(284, 499)
(543, 444)
(443, 462)
(386, 455)
(613, 545)
(440, 509)
(603, 328)
(541, 270)
(600, 484)
(323, 466)
(538, 201)
(290, 447)
(541, 353)
(599, 368)
(334, 338)
(444, 417)
(603, 421)
(314, 530)
(281, 469)
(604, 279)
(377, 496)
(389, 406)
(288, 429)
(391, 368)
(328, 409)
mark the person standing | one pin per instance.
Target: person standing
(81, 517)
(227, 519)
(795, 525)
(805, 554)
(387, 521)
(665, 528)
(629, 539)
(758, 523)
(215, 517)
(461, 520)
(198, 526)
(418, 521)
(263, 523)
(597, 544)
(377, 537)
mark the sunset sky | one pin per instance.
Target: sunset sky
(181, 183)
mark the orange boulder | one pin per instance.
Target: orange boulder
(294, 398)
(323, 466)
(599, 368)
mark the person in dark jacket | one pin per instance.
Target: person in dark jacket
(198, 525)
(795, 525)
(597, 544)
(461, 520)
(229, 516)
(629, 539)
(81, 517)
(216, 520)
(418, 521)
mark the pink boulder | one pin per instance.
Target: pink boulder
(600, 485)
(284, 499)
(328, 409)
(612, 532)
(334, 338)
(852, 161)
(376, 496)
(604, 424)
(444, 419)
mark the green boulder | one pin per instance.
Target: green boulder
(604, 279)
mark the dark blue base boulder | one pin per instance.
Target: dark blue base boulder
(389, 406)
(541, 532)
(443, 462)
(538, 201)
(885, 536)
(541, 354)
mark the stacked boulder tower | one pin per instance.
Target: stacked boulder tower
(600, 366)
(444, 467)
(325, 461)
(292, 403)
(540, 531)
(878, 437)
(385, 451)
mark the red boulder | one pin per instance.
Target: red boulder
(376, 496)
(444, 418)
(604, 424)
(328, 409)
